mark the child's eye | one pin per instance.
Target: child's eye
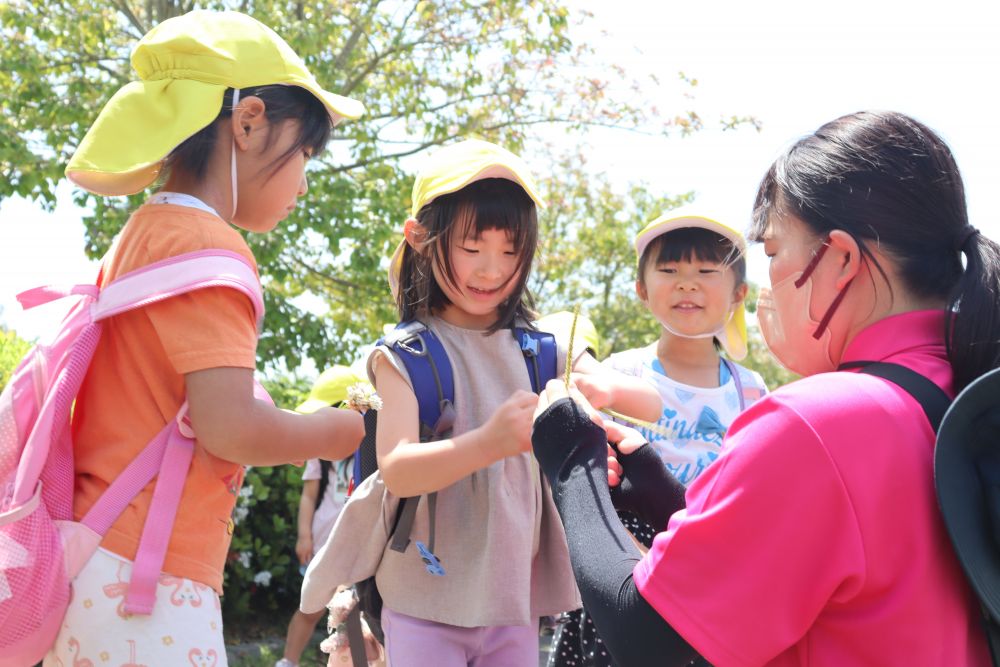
(471, 251)
(667, 269)
(712, 270)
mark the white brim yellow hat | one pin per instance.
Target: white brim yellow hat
(330, 388)
(185, 64)
(450, 169)
(560, 324)
(734, 336)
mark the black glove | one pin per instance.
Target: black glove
(564, 436)
(647, 489)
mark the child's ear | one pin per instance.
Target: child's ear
(247, 117)
(640, 291)
(415, 234)
(740, 294)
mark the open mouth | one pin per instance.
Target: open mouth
(477, 291)
(687, 306)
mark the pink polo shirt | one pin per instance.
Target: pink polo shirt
(815, 539)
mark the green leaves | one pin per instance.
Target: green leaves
(428, 72)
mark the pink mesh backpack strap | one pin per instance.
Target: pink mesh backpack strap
(179, 275)
(168, 456)
(141, 595)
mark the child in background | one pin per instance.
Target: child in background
(462, 271)
(692, 278)
(324, 489)
(224, 107)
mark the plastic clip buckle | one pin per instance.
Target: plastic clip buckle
(432, 562)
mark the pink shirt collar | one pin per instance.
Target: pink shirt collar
(898, 334)
(914, 339)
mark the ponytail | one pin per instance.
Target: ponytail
(972, 332)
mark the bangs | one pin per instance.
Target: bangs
(495, 203)
(693, 244)
(313, 123)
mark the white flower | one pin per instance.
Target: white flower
(244, 559)
(246, 491)
(362, 397)
(262, 578)
(240, 513)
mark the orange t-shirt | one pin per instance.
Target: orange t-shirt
(135, 384)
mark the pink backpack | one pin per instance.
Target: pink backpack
(41, 547)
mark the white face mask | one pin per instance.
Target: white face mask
(800, 343)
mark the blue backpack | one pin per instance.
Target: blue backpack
(430, 372)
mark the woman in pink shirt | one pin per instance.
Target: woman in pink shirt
(815, 538)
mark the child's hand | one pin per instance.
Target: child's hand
(510, 424)
(304, 548)
(595, 387)
(626, 440)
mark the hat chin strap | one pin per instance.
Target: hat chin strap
(232, 168)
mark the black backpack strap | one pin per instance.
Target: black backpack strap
(931, 397)
(324, 479)
(356, 637)
(935, 403)
(992, 630)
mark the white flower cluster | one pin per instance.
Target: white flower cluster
(262, 578)
(239, 513)
(362, 397)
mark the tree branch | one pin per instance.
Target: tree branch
(123, 7)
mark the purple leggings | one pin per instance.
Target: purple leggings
(415, 642)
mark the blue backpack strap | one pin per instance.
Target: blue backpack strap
(540, 356)
(429, 369)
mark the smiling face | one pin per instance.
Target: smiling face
(690, 281)
(484, 272)
(691, 297)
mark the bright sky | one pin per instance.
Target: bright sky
(792, 64)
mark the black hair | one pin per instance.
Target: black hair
(884, 177)
(694, 243)
(489, 203)
(281, 103)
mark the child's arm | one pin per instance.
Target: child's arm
(232, 425)
(607, 388)
(412, 468)
(307, 507)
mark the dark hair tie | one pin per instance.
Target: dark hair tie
(963, 237)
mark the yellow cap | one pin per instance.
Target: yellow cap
(185, 64)
(561, 323)
(330, 388)
(681, 218)
(734, 337)
(453, 167)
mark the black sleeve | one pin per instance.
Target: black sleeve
(572, 452)
(647, 488)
